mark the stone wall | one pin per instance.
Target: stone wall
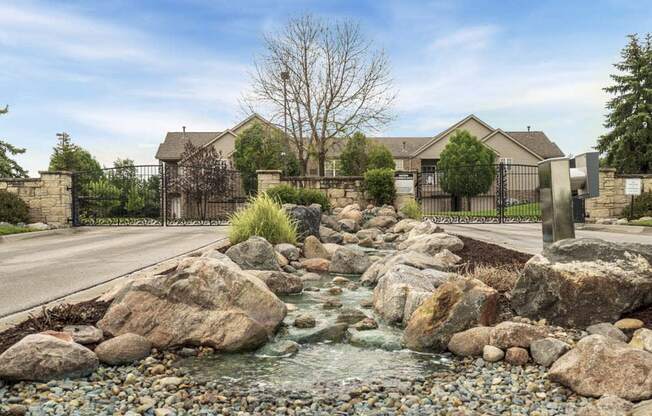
(49, 197)
(612, 200)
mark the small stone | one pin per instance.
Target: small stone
(546, 351)
(492, 354)
(630, 324)
(123, 349)
(608, 330)
(304, 321)
(517, 356)
(84, 334)
(16, 410)
(366, 324)
(642, 339)
(335, 290)
(332, 304)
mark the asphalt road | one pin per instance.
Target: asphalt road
(37, 270)
(527, 237)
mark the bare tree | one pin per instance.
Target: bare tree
(326, 79)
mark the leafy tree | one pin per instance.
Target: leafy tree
(380, 157)
(68, 156)
(135, 200)
(105, 195)
(261, 147)
(628, 145)
(466, 166)
(379, 185)
(353, 159)
(9, 168)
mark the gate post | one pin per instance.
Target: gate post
(502, 184)
(164, 197)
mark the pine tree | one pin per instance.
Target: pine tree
(9, 168)
(628, 144)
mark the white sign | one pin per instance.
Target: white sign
(632, 186)
(404, 183)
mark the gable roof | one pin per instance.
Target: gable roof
(537, 142)
(450, 129)
(175, 142)
(505, 134)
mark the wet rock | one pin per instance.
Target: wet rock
(304, 321)
(123, 349)
(310, 277)
(314, 249)
(331, 304)
(205, 302)
(348, 225)
(642, 339)
(84, 334)
(328, 235)
(607, 406)
(470, 342)
(282, 261)
(374, 339)
(366, 242)
(517, 356)
(608, 330)
(348, 238)
(43, 357)
(515, 334)
(390, 237)
(492, 354)
(289, 251)
(318, 265)
(598, 366)
(340, 281)
(455, 306)
(307, 218)
(279, 349)
(280, 283)
(580, 282)
(548, 350)
(332, 333)
(366, 324)
(432, 244)
(254, 254)
(350, 261)
(442, 261)
(335, 290)
(350, 316)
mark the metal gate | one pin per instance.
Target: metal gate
(156, 195)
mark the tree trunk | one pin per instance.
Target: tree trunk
(322, 164)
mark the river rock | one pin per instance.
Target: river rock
(599, 365)
(455, 306)
(314, 249)
(350, 261)
(405, 225)
(432, 244)
(280, 283)
(517, 356)
(608, 406)
(351, 212)
(205, 302)
(307, 218)
(402, 289)
(443, 261)
(331, 248)
(330, 222)
(254, 254)
(333, 333)
(305, 321)
(425, 227)
(382, 221)
(282, 348)
(374, 338)
(348, 225)
(370, 233)
(328, 235)
(547, 350)
(608, 330)
(629, 324)
(350, 316)
(492, 354)
(471, 342)
(366, 324)
(288, 251)
(580, 282)
(515, 334)
(318, 265)
(642, 339)
(123, 349)
(43, 357)
(84, 334)
(348, 238)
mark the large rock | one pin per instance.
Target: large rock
(316, 265)
(402, 289)
(642, 339)
(608, 330)
(443, 261)
(405, 225)
(547, 350)
(515, 334)
(608, 406)
(307, 219)
(369, 233)
(254, 254)
(84, 334)
(123, 349)
(579, 282)
(425, 227)
(455, 306)
(206, 302)
(382, 221)
(280, 283)
(598, 366)
(351, 212)
(350, 261)
(43, 357)
(330, 222)
(288, 251)
(471, 342)
(331, 333)
(313, 249)
(328, 235)
(432, 244)
(348, 225)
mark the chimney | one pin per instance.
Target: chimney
(404, 146)
(528, 129)
(184, 131)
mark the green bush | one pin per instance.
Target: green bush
(379, 157)
(379, 185)
(642, 206)
(288, 194)
(412, 209)
(263, 217)
(12, 209)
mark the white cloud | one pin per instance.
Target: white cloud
(472, 37)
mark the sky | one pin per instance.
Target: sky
(118, 74)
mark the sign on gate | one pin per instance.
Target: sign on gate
(633, 186)
(404, 183)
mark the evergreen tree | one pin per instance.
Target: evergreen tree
(380, 157)
(353, 159)
(68, 156)
(9, 168)
(628, 144)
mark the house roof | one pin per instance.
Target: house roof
(537, 142)
(175, 141)
(435, 139)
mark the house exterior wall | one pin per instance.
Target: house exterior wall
(612, 200)
(506, 148)
(225, 144)
(472, 126)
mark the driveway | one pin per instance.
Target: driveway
(527, 237)
(37, 270)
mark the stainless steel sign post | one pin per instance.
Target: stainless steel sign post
(557, 182)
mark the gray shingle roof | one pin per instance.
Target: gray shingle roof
(538, 142)
(173, 145)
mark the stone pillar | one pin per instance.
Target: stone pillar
(268, 179)
(405, 191)
(603, 205)
(56, 198)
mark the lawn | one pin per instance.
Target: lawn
(645, 223)
(523, 210)
(12, 229)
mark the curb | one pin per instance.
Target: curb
(37, 234)
(620, 229)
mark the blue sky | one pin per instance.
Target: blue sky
(117, 75)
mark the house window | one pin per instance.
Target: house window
(332, 167)
(398, 164)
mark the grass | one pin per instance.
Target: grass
(12, 229)
(412, 209)
(265, 218)
(645, 223)
(501, 278)
(531, 209)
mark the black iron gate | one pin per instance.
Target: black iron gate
(146, 195)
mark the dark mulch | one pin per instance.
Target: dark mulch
(478, 253)
(55, 318)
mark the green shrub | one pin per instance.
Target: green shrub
(412, 209)
(284, 194)
(379, 185)
(288, 194)
(642, 206)
(12, 208)
(263, 217)
(379, 157)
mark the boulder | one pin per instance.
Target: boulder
(492, 354)
(348, 238)
(123, 349)
(328, 235)
(307, 218)
(471, 342)
(331, 248)
(283, 348)
(304, 321)
(515, 334)
(330, 333)
(382, 221)
(580, 282)
(547, 350)
(288, 251)
(350, 261)
(375, 339)
(350, 316)
(254, 254)
(642, 339)
(38, 226)
(402, 289)
(423, 228)
(432, 244)
(43, 357)
(370, 233)
(280, 283)
(608, 330)
(348, 225)
(608, 406)
(455, 306)
(629, 324)
(313, 249)
(517, 356)
(598, 366)
(405, 225)
(442, 261)
(386, 211)
(205, 302)
(84, 334)
(330, 222)
(351, 212)
(366, 324)
(316, 265)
